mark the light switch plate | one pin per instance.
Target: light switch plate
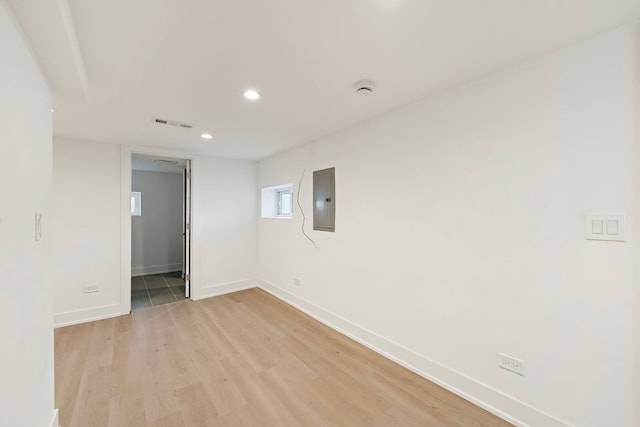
(605, 226)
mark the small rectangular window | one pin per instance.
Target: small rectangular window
(277, 202)
(136, 203)
(284, 202)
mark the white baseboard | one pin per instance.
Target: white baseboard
(226, 288)
(482, 395)
(54, 419)
(155, 269)
(84, 315)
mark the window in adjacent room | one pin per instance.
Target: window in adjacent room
(136, 203)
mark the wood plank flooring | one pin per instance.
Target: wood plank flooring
(243, 359)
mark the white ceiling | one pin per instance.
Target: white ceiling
(114, 64)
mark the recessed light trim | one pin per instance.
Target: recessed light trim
(364, 87)
(206, 136)
(251, 94)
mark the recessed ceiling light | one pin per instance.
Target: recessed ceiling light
(53, 111)
(251, 94)
(206, 136)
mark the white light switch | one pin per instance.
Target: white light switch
(38, 224)
(596, 226)
(605, 226)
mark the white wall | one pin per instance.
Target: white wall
(86, 224)
(460, 233)
(26, 327)
(636, 245)
(156, 236)
(88, 237)
(225, 224)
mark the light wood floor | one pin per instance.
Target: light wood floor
(244, 359)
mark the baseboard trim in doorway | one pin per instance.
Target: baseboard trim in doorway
(155, 269)
(54, 419)
(502, 405)
(226, 288)
(84, 315)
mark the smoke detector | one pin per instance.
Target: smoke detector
(364, 87)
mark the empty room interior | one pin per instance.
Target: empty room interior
(329, 213)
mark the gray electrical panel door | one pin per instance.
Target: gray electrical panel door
(324, 200)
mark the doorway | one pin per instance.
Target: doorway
(160, 230)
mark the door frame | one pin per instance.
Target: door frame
(126, 153)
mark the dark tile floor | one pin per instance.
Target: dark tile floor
(156, 289)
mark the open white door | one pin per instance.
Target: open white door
(187, 230)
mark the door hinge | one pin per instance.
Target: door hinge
(188, 227)
(188, 277)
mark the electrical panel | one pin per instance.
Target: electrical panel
(324, 200)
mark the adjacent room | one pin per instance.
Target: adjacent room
(159, 220)
(335, 213)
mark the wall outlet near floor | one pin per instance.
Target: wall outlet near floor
(297, 282)
(87, 289)
(510, 363)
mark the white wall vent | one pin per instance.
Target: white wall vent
(172, 123)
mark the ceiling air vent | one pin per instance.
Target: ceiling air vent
(172, 123)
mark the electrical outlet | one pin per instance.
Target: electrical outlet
(511, 364)
(90, 289)
(297, 282)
